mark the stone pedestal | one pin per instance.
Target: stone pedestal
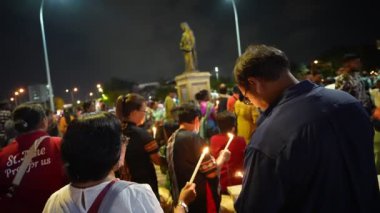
(189, 83)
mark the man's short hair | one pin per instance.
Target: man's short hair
(226, 121)
(91, 146)
(222, 89)
(260, 61)
(187, 113)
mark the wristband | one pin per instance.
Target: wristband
(183, 205)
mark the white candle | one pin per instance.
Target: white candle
(231, 136)
(204, 152)
(154, 130)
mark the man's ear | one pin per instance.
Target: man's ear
(255, 83)
(251, 81)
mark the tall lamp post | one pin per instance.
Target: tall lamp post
(237, 26)
(50, 87)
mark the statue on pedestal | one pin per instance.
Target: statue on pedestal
(187, 45)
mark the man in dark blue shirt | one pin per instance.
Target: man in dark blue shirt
(313, 148)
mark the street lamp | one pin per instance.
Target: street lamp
(72, 93)
(217, 73)
(237, 26)
(16, 94)
(91, 94)
(50, 87)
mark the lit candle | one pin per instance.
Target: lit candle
(154, 130)
(239, 174)
(204, 152)
(231, 136)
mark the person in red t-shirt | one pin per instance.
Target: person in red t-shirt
(232, 99)
(45, 173)
(229, 174)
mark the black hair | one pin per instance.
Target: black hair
(91, 146)
(187, 113)
(126, 104)
(260, 61)
(86, 105)
(226, 121)
(67, 113)
(202, 95)
(48, 112)
(235, 89)
(241, 96)
(28, 117)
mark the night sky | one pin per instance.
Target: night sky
(90, 41)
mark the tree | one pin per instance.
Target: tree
(116, 87)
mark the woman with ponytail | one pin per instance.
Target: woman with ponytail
(43, 175)
(142, 148)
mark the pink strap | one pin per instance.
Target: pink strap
(98, 201)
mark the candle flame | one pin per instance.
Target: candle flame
(239, 174)
(205, 150)
(230, 135)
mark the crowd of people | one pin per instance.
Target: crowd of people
(293, 145)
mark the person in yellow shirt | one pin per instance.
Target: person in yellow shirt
(170, 124)
(247, 115)
(64, 121)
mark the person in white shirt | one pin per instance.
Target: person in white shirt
(92, 149)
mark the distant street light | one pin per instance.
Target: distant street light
(91, 94)
(237, 26)
(316, 61)
(78, 101)
(50, 86)
(12, 99)
(75, 89)
(98, 86)
(21, 90)
(217, 73)
(16, 94)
